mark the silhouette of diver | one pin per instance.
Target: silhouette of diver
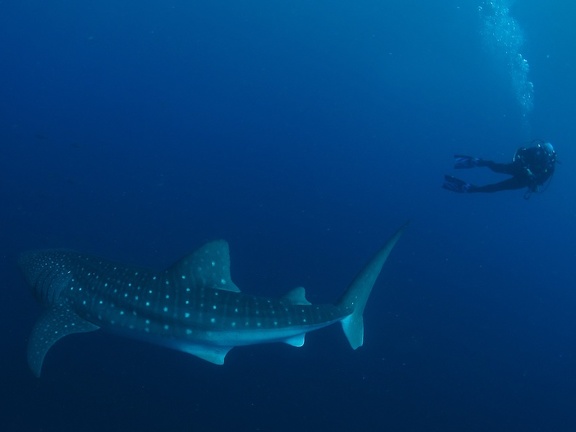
(531, 167)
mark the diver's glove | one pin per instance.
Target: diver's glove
(462, 161)
(456, 185)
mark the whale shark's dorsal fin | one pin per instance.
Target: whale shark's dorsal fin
(207, 267)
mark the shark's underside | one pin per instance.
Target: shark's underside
(192, 306)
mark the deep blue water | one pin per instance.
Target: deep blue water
(304, 133)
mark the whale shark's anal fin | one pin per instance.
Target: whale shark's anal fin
(55, 323)
(213, 354)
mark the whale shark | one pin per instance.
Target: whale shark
(193, 306)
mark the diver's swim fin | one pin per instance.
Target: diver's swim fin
(463, 161)
(456, 185)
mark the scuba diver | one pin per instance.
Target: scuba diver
(531, 167)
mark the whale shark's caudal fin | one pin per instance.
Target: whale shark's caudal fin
(357, 294)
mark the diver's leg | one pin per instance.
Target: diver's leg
(502, 168)
(463, 161)
(510, 184)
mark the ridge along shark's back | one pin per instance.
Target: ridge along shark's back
(193, 306)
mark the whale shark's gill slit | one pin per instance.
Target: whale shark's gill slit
(49, 284)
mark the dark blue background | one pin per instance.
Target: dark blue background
(304, 133)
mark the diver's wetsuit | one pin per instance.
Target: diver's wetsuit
(531, 168)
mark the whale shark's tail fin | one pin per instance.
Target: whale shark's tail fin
(357, 294)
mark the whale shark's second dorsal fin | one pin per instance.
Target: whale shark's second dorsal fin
(207, 267)
(297, 296)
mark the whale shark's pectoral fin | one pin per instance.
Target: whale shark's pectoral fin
(53, 325)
